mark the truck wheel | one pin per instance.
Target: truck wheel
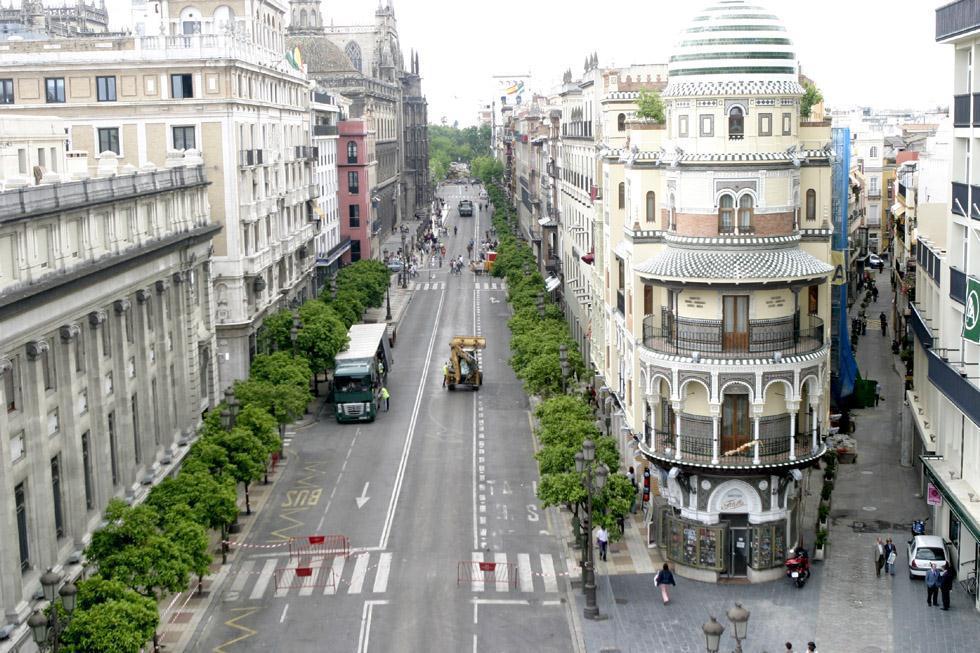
(451, 386)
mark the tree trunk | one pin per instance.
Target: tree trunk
(200, 584)
(224, 544)
(156, 642)
(248, 505)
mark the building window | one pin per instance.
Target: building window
(736, 123)
(745, 208)
(10, 386)
(622, 195)
(651, 206)
(813, 297)
(707, 126)
(59, 515)
(354, 213)
(726, 214)
(87, 470)
(106, 340)
(811, 204)
(355, 250)
(621, 122)
(873, 153)
(47, 370)
(6, 91)
(682, 127)
(106, 88)
(20, 503)
(79, 353)
(113, 461)
(181, 86)
(184, 138)
(765, 124)
(875, 189)
(54, 89)
(353, 183)
(128, 326)
(351, 152)
(109, 140)
(787, 124)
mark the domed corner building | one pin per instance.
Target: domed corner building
(729, 314)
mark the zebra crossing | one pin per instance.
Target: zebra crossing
(259, 577)
(280, 577)
(442, 285)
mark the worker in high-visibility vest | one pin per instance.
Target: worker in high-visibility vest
(445, 374)
(385, 396)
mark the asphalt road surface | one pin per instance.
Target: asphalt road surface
(440, 482)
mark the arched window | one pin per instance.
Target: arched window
(351, 152)
(726, 214)
(190, 21)
(671, 211)
(811, 204)
(736, 123)
(745, 207)
(622, 195)
(302, 18)
(621, 122)
(224, 18)
(651, 206)
(353, 52)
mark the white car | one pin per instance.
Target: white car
(875, 262)
(924, 551)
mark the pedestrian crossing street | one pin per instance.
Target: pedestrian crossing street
(258, 577)
(441, 285)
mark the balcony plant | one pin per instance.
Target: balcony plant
(820, 544)
(826, 491)
(823, 514)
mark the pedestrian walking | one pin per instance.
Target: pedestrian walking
(946, 584)
(932, 586)
(602, 537)
(631, 475)
(789, 647)
(385, 396)
(664, 578)
(884, 323)
(874, 293)
(891, 555)
(877, 399)
(879, 553)
(811, 647)
(445, 374)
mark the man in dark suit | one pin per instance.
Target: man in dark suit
(946, 584)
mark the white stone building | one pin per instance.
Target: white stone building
(327, 109)
(107, 352)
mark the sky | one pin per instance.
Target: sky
(877, 53)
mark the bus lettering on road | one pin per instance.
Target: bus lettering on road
(302, 498)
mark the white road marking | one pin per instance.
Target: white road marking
(381, 578)
(336, 572)
(282, 617)
(307, 590)
(548, 572)
(500, 559)
(477, 584)
(477, 601)
(365, 634)
(361, 500)
(400, 475)
(264, 577)
(357, 578)
(285, 580)
(525, 583)
(243, 573)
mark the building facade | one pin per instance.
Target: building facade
(717, 288)
(107, 352)
(214, 80)
(328, 111)
(943, 404)
(356, 171)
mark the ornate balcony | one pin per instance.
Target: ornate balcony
(769, 451)
(681, 336)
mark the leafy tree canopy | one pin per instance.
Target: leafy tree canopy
(651, 106)
(811, 97)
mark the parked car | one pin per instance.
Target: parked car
(875, 262)
(395, 264)
(924, 550)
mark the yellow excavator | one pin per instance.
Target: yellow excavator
(463, 368)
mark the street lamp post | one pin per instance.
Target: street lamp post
(739, 617)
(47, 629)
(388, 300)
(712, 634)
(404, 272)
(593, 478)
(565, 367)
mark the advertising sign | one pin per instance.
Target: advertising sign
(971, 311)
(933, 498)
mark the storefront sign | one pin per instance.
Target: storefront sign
(971, 311)
(933, 498)
(733, 500)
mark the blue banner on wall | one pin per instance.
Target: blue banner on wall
(843, 365)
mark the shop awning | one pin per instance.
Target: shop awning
(329, 258)
(954, 491)
(898, 208)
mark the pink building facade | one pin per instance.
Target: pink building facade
(354, 187)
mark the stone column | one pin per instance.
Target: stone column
(10, 575)
(677, 428)
(756, 419)
(654, 402)
(42, 542)
(72, 474)
(815, 421)
(793, 407)
(122, 390)
(166, 386)
(97, 367)
(715, 432)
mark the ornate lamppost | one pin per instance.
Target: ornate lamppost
(47, 629)
(593, 479)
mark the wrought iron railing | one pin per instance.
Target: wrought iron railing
(791, 335)
(695, 449)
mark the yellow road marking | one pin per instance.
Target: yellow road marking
(285, 514)
(247, 612)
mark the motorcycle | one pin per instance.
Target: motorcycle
(798, 567)
(918, 528)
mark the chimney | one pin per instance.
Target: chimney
(76, 164)
(108, 164)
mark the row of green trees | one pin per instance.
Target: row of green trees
(565, 417)
(149, 550)
(450, 144)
